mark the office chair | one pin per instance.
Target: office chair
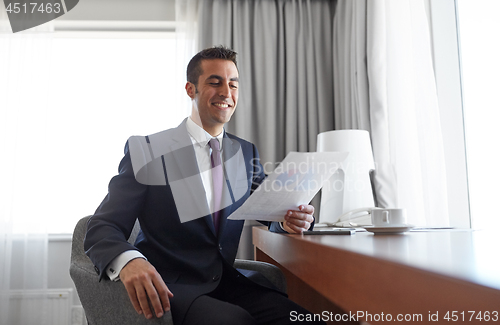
(107, 302)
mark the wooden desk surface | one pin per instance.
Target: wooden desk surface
(415, 273)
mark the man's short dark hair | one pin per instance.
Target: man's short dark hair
(194, 70)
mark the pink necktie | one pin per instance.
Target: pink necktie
(218, 180)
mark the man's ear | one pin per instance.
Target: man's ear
(190, 89)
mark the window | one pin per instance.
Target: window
(480, 51)
(445, 47)
(466, 64)
(104, 87)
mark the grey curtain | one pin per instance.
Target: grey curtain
(285, 55)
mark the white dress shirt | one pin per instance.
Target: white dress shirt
(199, 138)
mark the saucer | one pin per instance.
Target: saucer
(396, 229)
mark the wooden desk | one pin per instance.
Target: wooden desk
(418, 273)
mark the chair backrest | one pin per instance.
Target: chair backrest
(135, 232)
(104, 302)
(77, 252)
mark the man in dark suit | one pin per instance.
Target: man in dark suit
(171, 181)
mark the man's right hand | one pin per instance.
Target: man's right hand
(142, 281)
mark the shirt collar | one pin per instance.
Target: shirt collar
(201, 136)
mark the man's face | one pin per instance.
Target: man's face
(217, 94)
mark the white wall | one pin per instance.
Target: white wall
(138, 10)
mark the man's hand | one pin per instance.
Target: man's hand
(297, 221)
(142, 281)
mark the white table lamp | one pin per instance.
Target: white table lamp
(350, 187)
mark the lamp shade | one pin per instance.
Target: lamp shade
(350, 187)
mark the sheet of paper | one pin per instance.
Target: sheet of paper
(294, 182)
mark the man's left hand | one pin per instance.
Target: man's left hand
(298, 221)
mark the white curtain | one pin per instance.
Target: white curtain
(385, 84)
(25, 62)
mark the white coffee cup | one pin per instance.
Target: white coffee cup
(389, 217)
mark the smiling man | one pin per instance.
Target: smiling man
(182, 194)
(214, 94)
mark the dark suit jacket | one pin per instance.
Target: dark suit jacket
(188, 255)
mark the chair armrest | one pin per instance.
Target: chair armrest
(271, 272)
(107, 302)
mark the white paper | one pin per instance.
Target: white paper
(294, 182)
